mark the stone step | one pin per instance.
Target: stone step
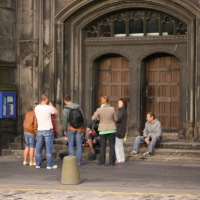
(168, 144)
(170, 135)
(13, 152)
(166, 158)
(171, 148)
(15, 146)
(159, 155)
(173, 152)
(61, 140)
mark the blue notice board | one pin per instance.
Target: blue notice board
(8, 107)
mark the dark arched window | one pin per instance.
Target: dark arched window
(167, 25)
(119, 24)
(136, 23)
(153, 24)
(105, 28)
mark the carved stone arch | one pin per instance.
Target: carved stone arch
(109, 51)
(148, 53)
(172, 8)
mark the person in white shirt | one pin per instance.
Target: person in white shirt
(45, 134)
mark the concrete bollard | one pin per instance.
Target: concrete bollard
(70, 172)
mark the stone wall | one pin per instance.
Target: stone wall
(8, 74)
(7, 30)
(8, 130)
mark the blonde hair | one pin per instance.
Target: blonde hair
(104, 100)
(43, 97)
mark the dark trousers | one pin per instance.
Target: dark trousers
(103, 141)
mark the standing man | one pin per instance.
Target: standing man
(73, 124)
(45, 133)
(151, 135)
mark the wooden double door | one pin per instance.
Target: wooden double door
(160, 85)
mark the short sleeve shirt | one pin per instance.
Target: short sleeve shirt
(43, 114)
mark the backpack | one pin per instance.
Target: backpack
(75, 117)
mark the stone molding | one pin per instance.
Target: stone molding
(109, 51)
(135, 40)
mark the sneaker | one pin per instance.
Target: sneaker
(133, 153)
(146, 155)
(25, 163)
(37, 167)
(118, 162)
(54, 167)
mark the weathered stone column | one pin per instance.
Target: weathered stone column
(197, 84)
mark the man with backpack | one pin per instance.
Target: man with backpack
(73, 125)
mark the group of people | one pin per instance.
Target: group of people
(38, 130)
(111, 126)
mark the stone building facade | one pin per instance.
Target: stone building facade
(147, 51)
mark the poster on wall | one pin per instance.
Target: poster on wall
(8, 105)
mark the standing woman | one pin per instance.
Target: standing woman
(121, 130)
(30, 130)
(107, 129)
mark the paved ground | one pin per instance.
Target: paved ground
(132, 180)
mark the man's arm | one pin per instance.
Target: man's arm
(65, 121)
(145, 131)
(55, 110)
(158, 130)
(146, 134)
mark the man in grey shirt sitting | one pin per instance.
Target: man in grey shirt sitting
(152, 134)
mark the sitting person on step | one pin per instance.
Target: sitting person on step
(151, 135)
(91, 139)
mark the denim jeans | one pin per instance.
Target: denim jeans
(30, 140)
(72, 135)
(151, 145)
(103, 142)
(47, 137)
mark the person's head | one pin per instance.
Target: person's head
(104, 100)
(88, 130)
(122, 103)
(44, 99)
(150, 117)
(67, 99)
(32, 107)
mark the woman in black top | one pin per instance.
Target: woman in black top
(121, 131)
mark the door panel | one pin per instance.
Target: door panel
(163, 90)
(114, 79)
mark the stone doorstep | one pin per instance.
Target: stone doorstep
(171, 148)
(164, 158)
(168, 144)
(159, 155)
(11, 152)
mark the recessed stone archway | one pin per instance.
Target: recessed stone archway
(73, 58)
